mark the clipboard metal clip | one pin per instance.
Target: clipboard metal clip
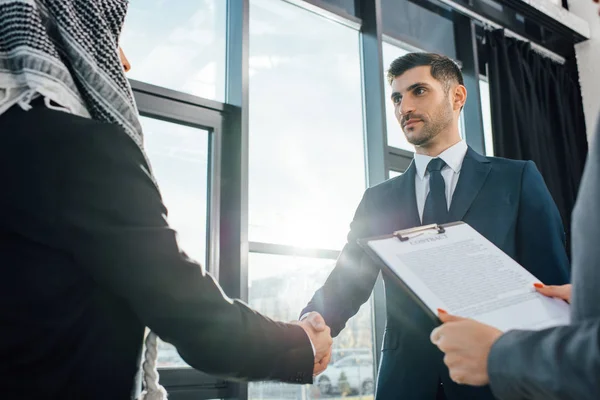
(407, 234)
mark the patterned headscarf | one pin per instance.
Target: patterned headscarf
(67, 51)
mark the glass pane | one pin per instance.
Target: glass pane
(395, 135)
(179, 158)
(486, 113)
(344, 5)
(280, 287)
(393, 174)
(307, 171)
(412, 23)
(179, 45)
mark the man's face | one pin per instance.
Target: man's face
(422, 105)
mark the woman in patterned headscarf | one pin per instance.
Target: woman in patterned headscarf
(87, 259)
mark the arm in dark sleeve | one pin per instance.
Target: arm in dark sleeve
(351, 282)
(563, 362)
(540, 232)
(585, 300)
(554, 364)
(114, 224)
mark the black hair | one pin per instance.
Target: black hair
(443, 69)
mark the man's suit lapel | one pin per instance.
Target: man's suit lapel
(474, 171)
(407, 199)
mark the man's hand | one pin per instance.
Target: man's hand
(467, 345)
(560, 292)
(315, 319)
(320, 336)
(321, 365)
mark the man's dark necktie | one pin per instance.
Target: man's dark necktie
(436, 208)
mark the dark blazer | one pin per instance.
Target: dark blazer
(87, 260)
(505, 200)
(561, 363)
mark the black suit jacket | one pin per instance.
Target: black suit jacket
(87, 260)
(504, 200)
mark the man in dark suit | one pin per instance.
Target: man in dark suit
(505, 200)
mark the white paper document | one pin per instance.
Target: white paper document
(463, 273)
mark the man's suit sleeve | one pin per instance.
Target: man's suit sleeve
(540, 233)
(554, 364)
(351, 282)
(114, 223)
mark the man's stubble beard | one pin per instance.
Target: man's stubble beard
(442, 119)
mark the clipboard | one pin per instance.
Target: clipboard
(404, 235)
(426, 268)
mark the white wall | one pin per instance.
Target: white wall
(588, 62)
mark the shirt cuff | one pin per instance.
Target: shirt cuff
(311, 343)
(304, 316)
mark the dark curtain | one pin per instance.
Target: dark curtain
(537, 114)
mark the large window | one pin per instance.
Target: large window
(179, 45)
(306, 177)
(307, 171)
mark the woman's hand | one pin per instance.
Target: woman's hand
(560, 292)
(466, 344)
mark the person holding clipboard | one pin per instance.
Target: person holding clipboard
(556, 363)
(506, 201)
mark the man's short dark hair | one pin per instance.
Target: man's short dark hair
(443, 69)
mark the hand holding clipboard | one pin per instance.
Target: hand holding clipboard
(455, 268)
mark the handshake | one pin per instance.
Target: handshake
(320, 335)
